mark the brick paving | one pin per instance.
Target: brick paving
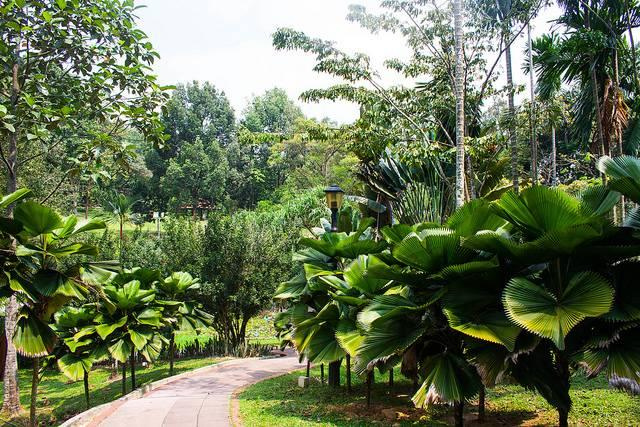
(196, 401)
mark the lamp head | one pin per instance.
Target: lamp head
(334, 196)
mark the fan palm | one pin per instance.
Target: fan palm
(171, 294)
(46, 278)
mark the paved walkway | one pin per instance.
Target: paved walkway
(196, 401)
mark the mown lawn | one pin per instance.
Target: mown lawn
(60, 399)
(279, 401)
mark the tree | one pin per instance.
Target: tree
(271, 112)
(196, 174)
(197, 111)
(46, 278)
(458, 14)
(121, 207)
(188, 315)
(60, 68)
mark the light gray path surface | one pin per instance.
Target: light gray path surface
(196, 401)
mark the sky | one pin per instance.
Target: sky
(228, 43)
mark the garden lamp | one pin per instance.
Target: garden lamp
(334, 195)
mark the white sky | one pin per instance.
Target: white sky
(228, 43)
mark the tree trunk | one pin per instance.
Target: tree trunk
(11, 402)
(348, 373)
(34, 391)
(133, 368)
(308, 368)
(333, 378)
(391, 377)
(172, 350)
(459, 92)
(513, 140)
(595, 92)
(124, 378)
(369, 383)
(532, 115)
(481, 399)
(322, 373)
(633, 47)
(458, 414)
(563, 418)
(86, 389)
(554, 157)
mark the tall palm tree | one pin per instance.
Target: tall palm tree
(458, 22)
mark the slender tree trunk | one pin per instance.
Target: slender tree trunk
(86, 389)
(11, 401)
(348, 373)
(34, 391)
(459, 90)
(369, 384)
(124, 378)
(513, 140)
(562, 366)
(322, 373)
(458, 414)
(391, 377)
(532, 117)
(172, 350)
(636, 82)
(333, 378)
(481, 402)
(554, 157)
(308, 368)
(595, 92)
(133, 368)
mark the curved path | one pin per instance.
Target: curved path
(195, 401)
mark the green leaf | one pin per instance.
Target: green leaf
(62, 4)
(106, 329)
(451, 377)
(624, 174)
(140, 337)
(534, 308)
(47, 282)
(33, 337)
(356, 275)
(14, 197)
(74, 366)
(37, 219)
(46, 15)
(120, 350)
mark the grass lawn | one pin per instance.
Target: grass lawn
(60, 399)
(279, 401)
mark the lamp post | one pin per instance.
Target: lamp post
(334, 196)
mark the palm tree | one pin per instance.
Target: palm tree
(45, 280)
(130, 319)
(121, 207)
(458, 21)
(78, 353)
(171, 293)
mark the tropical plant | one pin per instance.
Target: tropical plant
(77, 354)
(130, 319)
(48, 276)
(172, 295)
(121, 206)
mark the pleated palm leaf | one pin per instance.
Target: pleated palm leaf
(172, 295)
(76, 356)
(559, 263)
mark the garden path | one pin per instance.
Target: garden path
(195, 401)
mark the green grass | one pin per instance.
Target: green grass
(60, 399)
(279, 401)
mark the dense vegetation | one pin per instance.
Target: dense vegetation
(503, 234)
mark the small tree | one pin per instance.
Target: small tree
(172, 294)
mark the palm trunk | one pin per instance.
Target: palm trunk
(34, 391)
(554, 154)
(348, 373)
(133, 368)
(532, 117)
(458, 414)
(86, 389)
(333, 378)
(481, 404)
(633, 47)
(322, 373)
(513, 140)
(11, 401)
(172, 350)
(391, 377)
(459, 91)
(369, 384)
(124, 378)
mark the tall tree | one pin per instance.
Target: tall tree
(271, 112)
(64, 62)
(459, 88)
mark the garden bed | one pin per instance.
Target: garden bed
(279, 401)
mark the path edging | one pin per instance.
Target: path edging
(87, 416)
